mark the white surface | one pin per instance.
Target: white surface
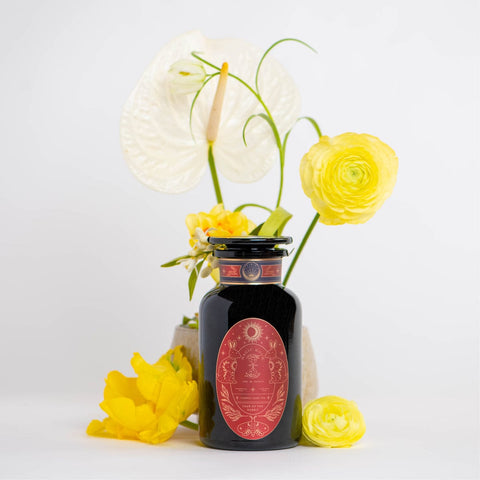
(392, 305)
(424, 443)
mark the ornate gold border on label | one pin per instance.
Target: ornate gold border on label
(235, 271)
(252, 378)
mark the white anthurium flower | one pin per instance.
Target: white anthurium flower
(155, 131)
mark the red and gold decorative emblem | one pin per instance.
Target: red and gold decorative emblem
(244, 271)
(252, 378)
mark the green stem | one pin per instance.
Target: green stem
(188, 424)
(213, 171)
(267, 111)
(300, 248)
(271, 47)
(241, 207)
(282, 165)
(283, 147)
(274, 130)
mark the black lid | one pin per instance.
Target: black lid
(249, 246)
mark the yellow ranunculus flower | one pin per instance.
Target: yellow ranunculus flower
(348, 177)
(332, 422)
(219, 223)
(150, 407)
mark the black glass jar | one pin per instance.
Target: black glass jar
(250, 337)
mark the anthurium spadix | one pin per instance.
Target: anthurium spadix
(164, 139)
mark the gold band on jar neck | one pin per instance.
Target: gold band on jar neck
(250, 271)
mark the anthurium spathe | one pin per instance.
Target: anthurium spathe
(149, 407)
(168, 154)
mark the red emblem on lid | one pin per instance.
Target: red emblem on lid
(252, 378)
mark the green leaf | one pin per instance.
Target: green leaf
(256, 229)
(192, 280)
(190, 322)
(175, 261)
(275, 223)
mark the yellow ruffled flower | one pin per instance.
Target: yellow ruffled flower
(219, 223)
(332, 422)
(348, 177)
(150, 407)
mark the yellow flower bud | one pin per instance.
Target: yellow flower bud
(332, 422)
(348, 177)
(186, 76)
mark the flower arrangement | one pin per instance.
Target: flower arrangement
(191, 111)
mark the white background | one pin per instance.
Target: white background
(392, 305)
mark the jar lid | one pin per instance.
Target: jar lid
(249, 246)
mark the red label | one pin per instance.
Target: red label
(252, 378)
(230, 270)
(234, 271)
(271, 270)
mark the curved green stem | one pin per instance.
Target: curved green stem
(213, 171)
(301, 246)
(272, 124)
(276, 134)
(195, 55)
(313, 123)
(190, 425)
(282, 165)
(283, 150)
(241, 207)
(271, 47)
(243, 82)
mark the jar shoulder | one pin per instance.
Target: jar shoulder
(232, 291)
(253, 299)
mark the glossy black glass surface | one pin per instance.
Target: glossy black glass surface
(222, 308)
